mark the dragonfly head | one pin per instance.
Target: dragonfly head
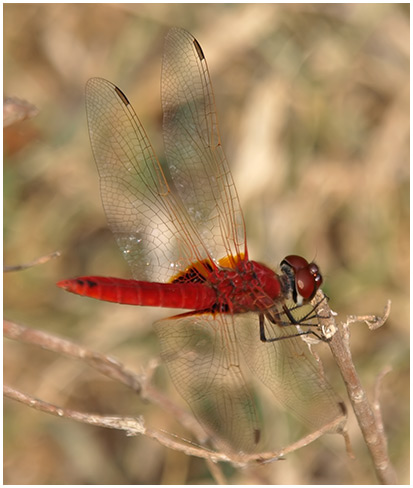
(304, 278)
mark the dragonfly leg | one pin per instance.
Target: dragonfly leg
(308, 316)
(275, 317)
(263, 338)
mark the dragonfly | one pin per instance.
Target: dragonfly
(181, 229)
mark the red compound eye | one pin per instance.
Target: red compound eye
(305, 283)
(296, 262)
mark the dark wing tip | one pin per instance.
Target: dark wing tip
(198, 49)
(122, 96)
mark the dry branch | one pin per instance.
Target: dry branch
(370, 425)
(141, 385)
(35, 262)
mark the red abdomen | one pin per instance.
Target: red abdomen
(192, 296)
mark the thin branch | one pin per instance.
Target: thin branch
(373, 322)
(106, 365)
(338, 341)
(35, 262)
(131, 425)
(141, 385)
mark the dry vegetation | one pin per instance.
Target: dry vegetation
(313, 103)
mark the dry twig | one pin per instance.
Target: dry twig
(140, 384)
(370, 425)
(35, 262)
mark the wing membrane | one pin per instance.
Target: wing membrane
(290, 371)
(151, 227)
(202, 358)
(196, 160)
(161, 231)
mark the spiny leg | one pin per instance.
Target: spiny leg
(263, 338)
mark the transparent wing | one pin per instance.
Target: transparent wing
(151, 227)
(196, 160)
(290, 371)
(202, 358)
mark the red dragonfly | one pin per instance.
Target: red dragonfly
(181, 229)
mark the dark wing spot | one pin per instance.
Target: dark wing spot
(121, 95)
(199, 50)
(257, 436)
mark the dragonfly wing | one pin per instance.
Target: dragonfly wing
(195, 157)
(289, 369)
(202, 358)
(150, 225)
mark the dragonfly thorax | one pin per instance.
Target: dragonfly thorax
(249, 287)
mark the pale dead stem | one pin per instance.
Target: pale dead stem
(141, 385)
(368, 419)
(131, 425)
(35, 262)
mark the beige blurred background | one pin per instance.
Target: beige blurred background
(313, 104)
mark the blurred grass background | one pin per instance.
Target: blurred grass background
(313, 104)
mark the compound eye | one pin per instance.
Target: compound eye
(308, 280)
(296, 262)
(304, 282)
